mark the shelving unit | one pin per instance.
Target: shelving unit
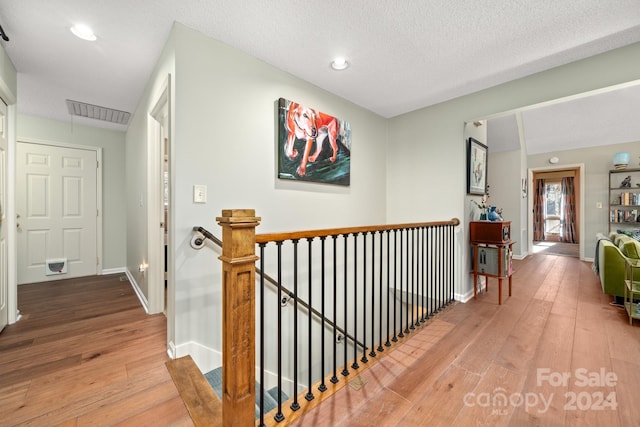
(632, 289)
(624, 202)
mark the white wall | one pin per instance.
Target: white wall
(113, 175)
(224, 136)
(426, 166)
(9, 93)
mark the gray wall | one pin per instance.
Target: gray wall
(223, 136)
(426, 159)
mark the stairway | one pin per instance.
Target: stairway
(214, 378)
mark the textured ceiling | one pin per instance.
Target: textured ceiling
(602, 118)
(404, 54)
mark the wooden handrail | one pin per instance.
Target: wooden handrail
(207, 234)
(307, 234)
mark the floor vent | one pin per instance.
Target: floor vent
(82, 109)
(56, 266)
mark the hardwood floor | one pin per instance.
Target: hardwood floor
(555, 353)
(86, 353)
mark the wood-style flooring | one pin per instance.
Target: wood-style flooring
(555, 353)
(86, 353)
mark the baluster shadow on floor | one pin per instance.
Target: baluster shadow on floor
(456, 371)
(87, 353)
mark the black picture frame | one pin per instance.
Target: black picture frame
(477, 167)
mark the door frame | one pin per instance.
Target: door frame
(98, 151)
(531, 194)
(155, 213)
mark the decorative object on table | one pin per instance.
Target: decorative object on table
(494, 214)
(626, 183)
(621, 160)
(477, 167)
(312, 146)
(483, 207)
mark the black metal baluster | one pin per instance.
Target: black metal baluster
(279, 415)
(423, 271)
(402, 280)
(372, 353)
(440, 267)
(295, 405)
(380, 347)
(395, 285)
(387, 343)
(413, 279)
(322, 387)
(431, 272)
(364, 359)
(408, 283)
(261, 399)
(334, 379)
(355, 365)
(345, 371)
(309, 396)
(452, 262)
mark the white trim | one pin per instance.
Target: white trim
(113, 271)
(206, 358)
(155, 210)
(136, 289)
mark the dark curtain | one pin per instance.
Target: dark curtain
(568, 210)
(538, 210)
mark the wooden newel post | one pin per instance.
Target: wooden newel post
(238, 316)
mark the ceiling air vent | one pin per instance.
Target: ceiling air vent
(83, 109)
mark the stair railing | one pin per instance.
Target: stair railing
(290, 296)
(380, 283)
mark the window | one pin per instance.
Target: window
(553, 208)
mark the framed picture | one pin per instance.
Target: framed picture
(476, 167)
(312, 145)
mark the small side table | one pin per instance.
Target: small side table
(498, 266)
(632, 288)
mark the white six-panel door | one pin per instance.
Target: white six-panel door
(57, 211)
(4, 276)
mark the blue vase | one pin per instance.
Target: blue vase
(621, 160)
(493, 215)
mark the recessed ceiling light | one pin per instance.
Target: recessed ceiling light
(339, 64)
(84, 32)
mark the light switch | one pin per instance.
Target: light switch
(598, 205)
(199, 194)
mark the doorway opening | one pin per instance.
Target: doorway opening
(556, 211)
(160, 223)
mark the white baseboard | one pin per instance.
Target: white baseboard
(206, 358)
(136, 289)
(117, 270)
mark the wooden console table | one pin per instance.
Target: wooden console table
(492, 251)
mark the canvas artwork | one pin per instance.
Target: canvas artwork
(312, 145)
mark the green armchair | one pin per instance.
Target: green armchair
(611, 255)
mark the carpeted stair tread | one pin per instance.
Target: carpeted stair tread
(214, 378)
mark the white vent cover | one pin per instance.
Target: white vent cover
(83, 109)
(55, 266)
